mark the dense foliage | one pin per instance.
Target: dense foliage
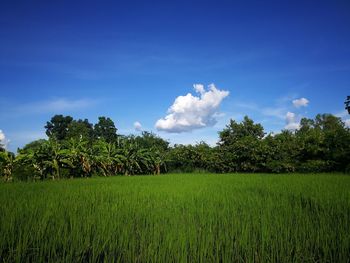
(77, 148)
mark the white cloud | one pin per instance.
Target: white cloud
(277, 112)
(302, 102)
(292, 122)
(199, 88)
(341, 114)
(347, 123)
(191, 112)
(137, 126)
(344, 117)
(3, 140)
(2, 136)
(21, 137)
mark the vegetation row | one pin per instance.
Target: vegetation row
(77, 148)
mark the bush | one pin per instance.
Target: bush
(277, 166)
(23, 173)
(314, 166)
(347, 169)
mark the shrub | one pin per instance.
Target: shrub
(278, 166)
(314, 166)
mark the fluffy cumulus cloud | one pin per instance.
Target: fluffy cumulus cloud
(302, 102)
(137, 126)
(291, 121)
(3, 140)
(193, 112)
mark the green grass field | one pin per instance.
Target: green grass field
(178, 218)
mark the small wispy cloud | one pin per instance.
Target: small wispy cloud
(342, 114)
(58, 105)
(137, 126)
(302, 102)
(281, 110)
(193, 112)
(277, 111)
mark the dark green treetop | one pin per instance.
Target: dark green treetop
(80, 129)
(105, 129)
(57, 127)
(235, 131)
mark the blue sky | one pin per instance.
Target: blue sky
(130, 60)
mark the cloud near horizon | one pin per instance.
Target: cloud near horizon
(137, 126)
(193, 112)
(3, 139)
(302, 102)
(2, 136)
(347, 123)
(292, 122)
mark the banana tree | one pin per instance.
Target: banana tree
(34, 159)
(79, 156)
(145, 160)
(137, 160)
(157, 161)
(6, 164)
(108, 158)
(131, 163)
(56, 158)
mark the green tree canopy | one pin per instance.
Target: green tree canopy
(321, 144)
(149, 140)
(57, 127)
(241, 147)
(80, 129)
(105, 129)
(235, 131)
(33, 146)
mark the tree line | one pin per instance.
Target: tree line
(77, 148)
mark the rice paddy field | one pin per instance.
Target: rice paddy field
(178, 218)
